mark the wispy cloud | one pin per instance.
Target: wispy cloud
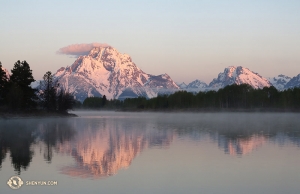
(79, 49)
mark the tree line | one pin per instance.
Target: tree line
(16, 93)
(234, 96)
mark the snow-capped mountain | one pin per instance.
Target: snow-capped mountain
(238, 75)
(196, 86)
(105, 71)
(294, 82)
(182, 85)
(280, 81)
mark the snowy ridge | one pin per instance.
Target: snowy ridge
(294, 82)
(105, 71)
(238, 75)
(182, 85)
(196, 86)
(280, 81)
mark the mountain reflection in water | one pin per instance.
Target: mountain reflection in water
(102, 145)
(102, 149)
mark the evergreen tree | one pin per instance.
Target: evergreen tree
(3, 84)
(104, 100)
(21, 78)
(49, 92)
(92, 102)
(65, 101)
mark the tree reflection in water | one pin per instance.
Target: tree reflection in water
(53, 133)
(18, 137)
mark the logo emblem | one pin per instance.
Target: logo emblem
(15, 182)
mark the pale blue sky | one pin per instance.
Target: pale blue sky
(186, 39)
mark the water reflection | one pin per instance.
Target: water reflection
(102, 145)
(105, 147)
(53, 134)
(18, 137)
(238, 133)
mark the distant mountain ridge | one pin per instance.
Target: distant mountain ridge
(239, 75)
(280, 81)
(194, 86)
(105, 71)
(230, 75)
(294, 82)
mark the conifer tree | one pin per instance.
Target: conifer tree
(65, 101)
(104, 100)
(49, 89)
(3, 84)
(20, 81)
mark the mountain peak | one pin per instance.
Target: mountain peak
(293, 82)
(239, 75)
(280, 81)
(182, 85)
(105, 71)
(196, 86)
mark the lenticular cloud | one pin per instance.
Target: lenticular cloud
(79, 49)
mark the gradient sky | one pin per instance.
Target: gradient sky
(188, 39)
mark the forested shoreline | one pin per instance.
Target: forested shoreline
(230, 98)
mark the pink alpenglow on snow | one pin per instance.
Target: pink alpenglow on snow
(105, 71)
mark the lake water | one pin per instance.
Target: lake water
(122, 152)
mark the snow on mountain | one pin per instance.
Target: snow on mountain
(280, 81)
(238, 75)
(196, 86)
(105, 71)
(294, 82)
(182, 85)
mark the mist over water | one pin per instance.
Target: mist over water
(141, 152)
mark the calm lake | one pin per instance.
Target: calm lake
(122, 152)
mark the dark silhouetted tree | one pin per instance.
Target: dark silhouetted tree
(92, 102)
(3, 84)
(104, 100)
(49, 90)
(20, 80)
(65, 101)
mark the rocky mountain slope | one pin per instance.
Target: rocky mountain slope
(194, 86)
(294, 82)
(105, 71)
(182, 85)
(280, 81)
